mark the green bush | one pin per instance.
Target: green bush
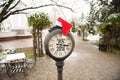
(29, 52)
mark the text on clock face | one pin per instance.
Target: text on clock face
(61, 45)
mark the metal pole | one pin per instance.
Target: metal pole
(60, 65)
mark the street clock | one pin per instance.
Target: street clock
(58, 46)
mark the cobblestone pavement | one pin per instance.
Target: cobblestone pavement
(85, 63)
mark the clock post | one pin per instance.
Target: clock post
(60, 65)
(58, 47)
(59, 44)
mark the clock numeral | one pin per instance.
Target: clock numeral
(60, 41)
(60, 54)
(60, 49)
(52, 49)
(55, 53)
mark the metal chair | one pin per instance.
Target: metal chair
(18, 66)
(30, 63)
(2, 66)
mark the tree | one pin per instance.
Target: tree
(73, 28)
(39, 22)
(92, 18)
(107, 8)
(87, 24)
(101, 9)
(111, 31)
(108, 14)
(7, 8)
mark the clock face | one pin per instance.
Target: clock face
(59, 45)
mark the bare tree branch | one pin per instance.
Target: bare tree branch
(5, 8)
(62, 5)
(17, 11)
(59, 9)
(40, 7)
(7, 11)
(7, 5)
(32, 8)
(65, 7)
(3, 4)
(15, 5)
(4, 17)
(53, 1)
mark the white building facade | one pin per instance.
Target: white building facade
(15, 25)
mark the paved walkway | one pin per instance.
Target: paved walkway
(85, 63)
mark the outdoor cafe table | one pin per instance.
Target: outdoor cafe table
(13, 57)
(14, 61)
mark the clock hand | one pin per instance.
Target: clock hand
(65, 45)
(62, 44)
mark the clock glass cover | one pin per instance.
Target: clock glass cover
(59, 45)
